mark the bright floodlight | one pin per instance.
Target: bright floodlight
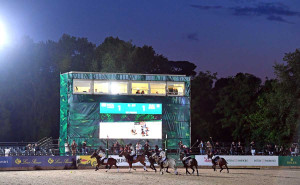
(3, 36)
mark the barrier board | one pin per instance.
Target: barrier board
(289, 161)
(241, 160)
(43, 161)
(86, 160)
(5, 162)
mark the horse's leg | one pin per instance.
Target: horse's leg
(167, 170)
(197, 170)
(187, 171)
(221, 168)
(192, 167)
(117, 167)
(130, 166)
(227, 168)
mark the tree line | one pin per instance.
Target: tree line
(241, 107)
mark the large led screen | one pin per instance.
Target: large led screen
(130, 121)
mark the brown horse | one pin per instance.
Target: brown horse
(139, 158)
(189, 163)
(108, 162)
(218, 161)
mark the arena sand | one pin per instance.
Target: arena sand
(206, 176)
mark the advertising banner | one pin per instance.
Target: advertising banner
(5, 162)
(43, 161)
(289, 161)
(86, 160)
(241, 160)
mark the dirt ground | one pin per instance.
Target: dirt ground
(206, 176)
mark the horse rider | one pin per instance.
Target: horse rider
(156, 150)
(187, 155)
(162, 156)
(138, 148)
(147, 148)
(132, 152)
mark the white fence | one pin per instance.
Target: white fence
(241, 160)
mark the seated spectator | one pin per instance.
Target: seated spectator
(292, 150)
(143, 92)
(138, 92)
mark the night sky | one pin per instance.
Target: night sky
(224, 36)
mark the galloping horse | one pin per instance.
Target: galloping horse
(139, 158)
(189, 163)
(151, 160)
(168, 163)
(218, 161)
(108, 162)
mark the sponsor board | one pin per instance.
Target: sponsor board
(86, 160)
(241, 160)
(289, 161)
(43, 161)
(5, 162)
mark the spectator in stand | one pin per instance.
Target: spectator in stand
(208, 147)
(252, 147)
(74, 147)
(201, 146)
(36, 149)
(240, 150)
(84, 148)
(217, 148)
(232, 148)
(67, 148)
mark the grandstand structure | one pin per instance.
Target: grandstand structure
(124, 107)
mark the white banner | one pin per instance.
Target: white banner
(241, 160)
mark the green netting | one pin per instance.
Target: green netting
(80, 115)
(64, 108)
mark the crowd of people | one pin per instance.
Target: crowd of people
(240, 149)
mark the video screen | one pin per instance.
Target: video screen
(130, 121)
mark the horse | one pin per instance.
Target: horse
(139, 158)
(106, 161)
(218, 161)
(151, 160)
(189, 163)
(168, 163)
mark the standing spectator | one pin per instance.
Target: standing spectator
(147, 149)
(67, 148)
(292, 150)
(138, 148)
(116, 148)
(217, 148)
(180, 147)
(84, 148)
(74, 147)
(201, 146)
(36, 149)
(252, 147)
(276, 150)
(296, 150)
(208, 147)
(239, 148)
(232, 148)
(281, 151)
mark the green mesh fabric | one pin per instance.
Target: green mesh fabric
(80, 115)
(64, 108)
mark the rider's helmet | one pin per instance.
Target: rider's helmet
(159, 149)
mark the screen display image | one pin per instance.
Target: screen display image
(130, 121)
